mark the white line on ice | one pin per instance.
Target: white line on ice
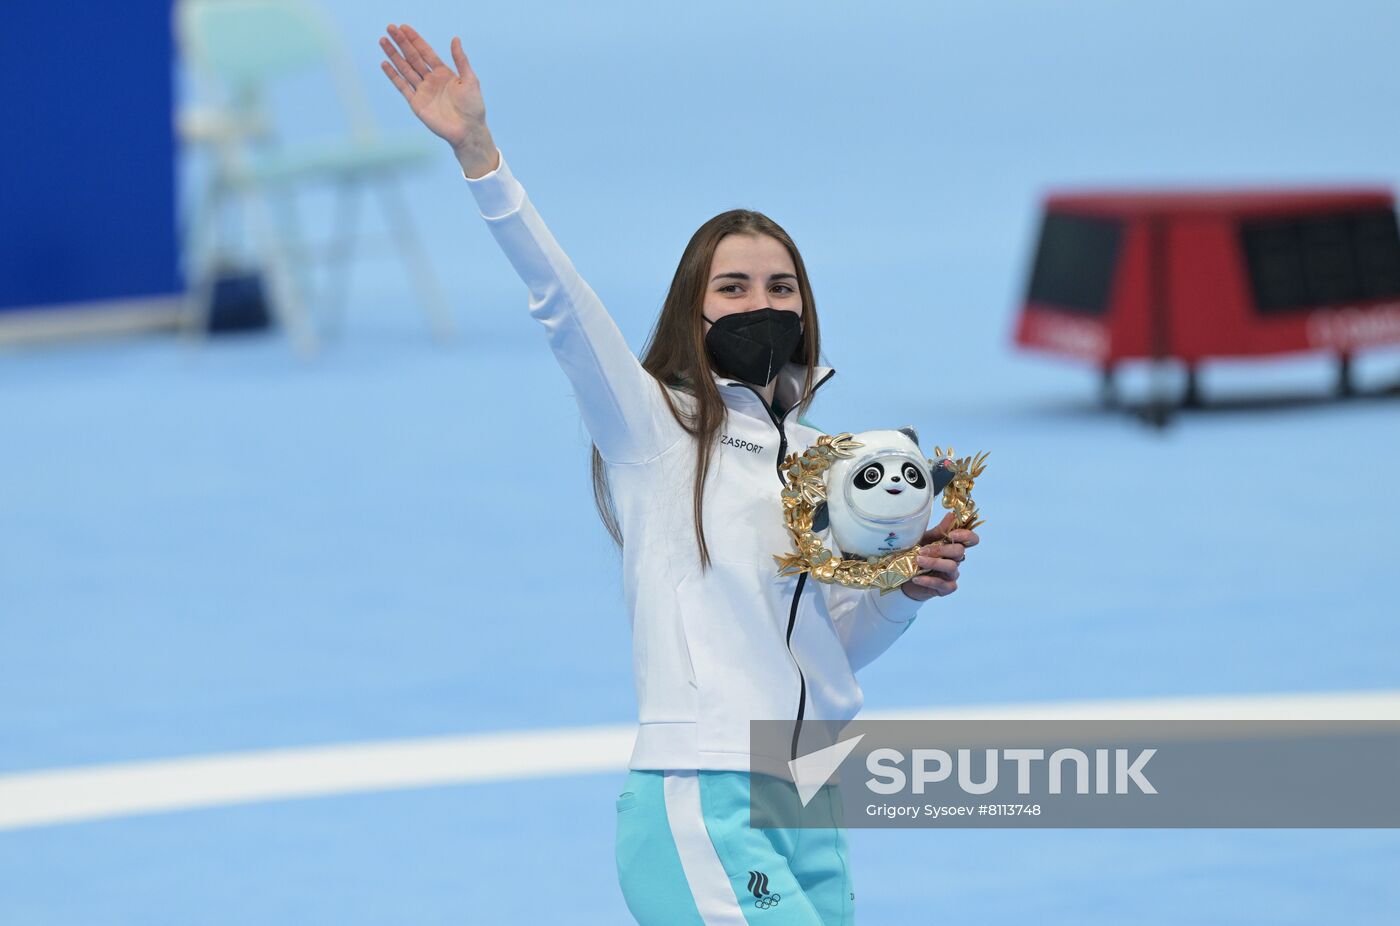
(70, 795)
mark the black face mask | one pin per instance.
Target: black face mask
(754, 346)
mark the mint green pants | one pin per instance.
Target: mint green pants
(687, 856)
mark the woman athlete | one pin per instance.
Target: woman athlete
(688, 444)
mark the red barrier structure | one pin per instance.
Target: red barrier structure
(1187, 276)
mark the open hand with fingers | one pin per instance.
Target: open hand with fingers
(448, 102)
(941, 553)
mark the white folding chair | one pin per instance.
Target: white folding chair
(245, 46)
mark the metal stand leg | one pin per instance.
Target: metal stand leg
(1346, 385)
(1192, 397)
(294, 250)
(1159, 406)
(200, 241)
(285, 299)
(1108, 391)
(339, 264)
(416, 259)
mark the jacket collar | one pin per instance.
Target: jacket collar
(744, 397)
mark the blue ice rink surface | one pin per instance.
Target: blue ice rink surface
(217, 549)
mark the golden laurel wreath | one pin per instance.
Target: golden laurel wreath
(805, 489)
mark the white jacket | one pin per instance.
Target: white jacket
(711, 650)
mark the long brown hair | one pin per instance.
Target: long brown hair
(675, 354)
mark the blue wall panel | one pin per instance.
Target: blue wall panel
(87, 152)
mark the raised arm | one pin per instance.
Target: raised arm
(621, 403)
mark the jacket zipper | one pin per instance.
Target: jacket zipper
(802, 577)
(802, 695)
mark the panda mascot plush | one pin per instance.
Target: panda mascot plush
(879, 500)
